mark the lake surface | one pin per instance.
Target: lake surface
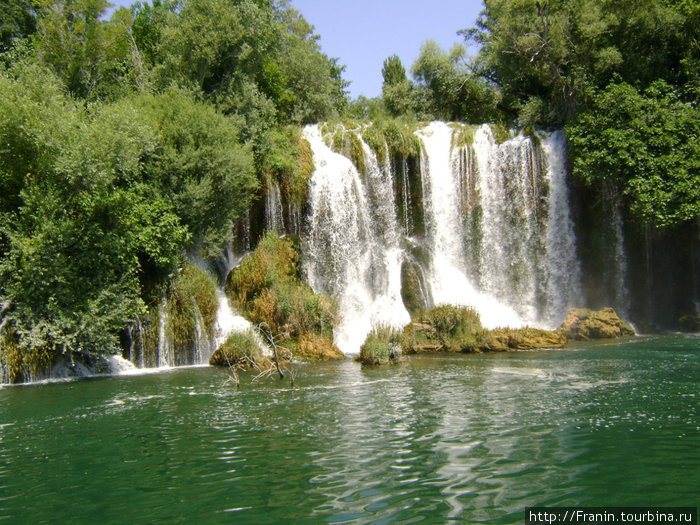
(454, 439)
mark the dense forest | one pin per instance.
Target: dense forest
(130, 147)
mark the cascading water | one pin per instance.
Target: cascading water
(229, 322)
(621, 301)
(353, 250)
(563, 272)
(165, 339)
(498, 232)
(447, 273)
(274, 220)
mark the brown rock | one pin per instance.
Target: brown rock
(583, 324)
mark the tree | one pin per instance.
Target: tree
(649, 143)
(448, 89)
(89, 55)
(17, 20)
(397, 90)
(259, 60)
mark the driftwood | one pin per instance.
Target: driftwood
(264, 329)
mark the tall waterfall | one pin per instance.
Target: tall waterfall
(353, 245)
(445, 230)
(498, 237)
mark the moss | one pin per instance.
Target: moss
(442, 329)
(240, 350)
(286, 157)
(458, 329)
(530, 132)
(191, 295)
(398, 135)
(382, 346)
(463, 135)
(500, 133)
(583, 324)
(314, 347)
(506, 339)
(20, 364)
(267, 288)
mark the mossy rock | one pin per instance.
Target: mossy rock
(442, 329)
(506, 339)
(582, 324)
(382, 347)
(314, 347)
(240, 350)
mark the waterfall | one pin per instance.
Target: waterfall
(447, 273)
(165, 340)
(274, 220)
(353, 246)
(563, 272)
(620, 298)
(203, 344)
(499, 236)
(227, 321)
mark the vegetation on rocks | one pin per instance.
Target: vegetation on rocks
(382, 346)
(240, 350)
(266, 287)
(583, 324)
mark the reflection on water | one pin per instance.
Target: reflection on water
(463, 439)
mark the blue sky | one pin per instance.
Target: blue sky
(362, 33)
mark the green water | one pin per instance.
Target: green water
(465, 439)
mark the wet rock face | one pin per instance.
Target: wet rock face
(582, 324)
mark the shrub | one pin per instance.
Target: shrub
(382, 346)
(266, 288)
(443, 329)
(241, 350)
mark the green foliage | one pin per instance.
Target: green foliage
(284, 156)
(395, 134)
(197, 161)
(448, 89)
(267, 288)
(90, 55)
(546, 56)
(17, 20)
(192, 295)
(239, 350)
(442, 329)
(649, 143)
(382, 346)
(258, 60)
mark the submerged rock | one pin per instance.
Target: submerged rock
(582, 324)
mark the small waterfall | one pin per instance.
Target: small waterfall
(203, 344)
(447, 274)
(563, 272)
(274, 216)
(229, 322)
(353, 250)
(165, 340)
(621, 300)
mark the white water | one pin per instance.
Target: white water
(498, 232)
(229, 322)
(165, 340)
(563, 284)
(274, 220)
(353, 250)
(447, 273)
